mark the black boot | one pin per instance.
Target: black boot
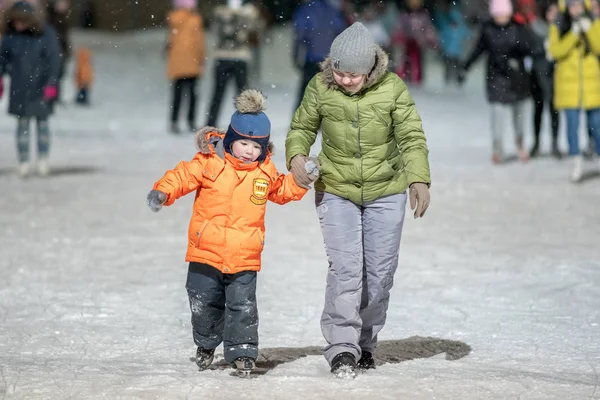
(204, 357)
(343, 365)
(174, 128)
(366, 361)
(244, 366)
(535, 149)
(555, 151)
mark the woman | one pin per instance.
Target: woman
(575, 45)
(373, 150)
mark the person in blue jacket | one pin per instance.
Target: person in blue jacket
(316, 24)
(30, 55)
(453, 33)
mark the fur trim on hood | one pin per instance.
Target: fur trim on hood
(250, 101)
(378, 71)
(25, 13)
(207, 143)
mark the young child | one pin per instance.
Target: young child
(373, 152)
(575, 45)
(507, 44)
(84, 76)
(233, 177)
(185, 58)
(30, 54)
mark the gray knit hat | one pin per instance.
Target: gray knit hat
(354, 50)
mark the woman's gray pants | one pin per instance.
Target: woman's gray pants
(362, 245)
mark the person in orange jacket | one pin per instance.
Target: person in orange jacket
(185, 58)
(232, 176)
(84, 75)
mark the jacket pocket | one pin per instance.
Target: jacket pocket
(380, 116)
(199, 232)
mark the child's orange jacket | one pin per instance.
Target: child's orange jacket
(227, 229)
(84, 72)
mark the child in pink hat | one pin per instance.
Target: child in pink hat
(499, 8)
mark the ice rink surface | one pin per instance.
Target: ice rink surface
(497, 295)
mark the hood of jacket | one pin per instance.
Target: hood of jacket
(209, 140)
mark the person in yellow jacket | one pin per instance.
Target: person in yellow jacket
(185, 58)
(575, 45)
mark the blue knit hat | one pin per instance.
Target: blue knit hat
(249, 122)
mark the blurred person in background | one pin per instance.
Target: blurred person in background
(257, 40)
(57, 14)
(30, 55)
(575, 45)
(235, 23)
(453, 33)
(84, 76)
(388, 14)
(476, 11)
(316, 24)
(374, 24)
(506, 44)
(185, 59)
(413, 33)
(542, 71)
(590, 150)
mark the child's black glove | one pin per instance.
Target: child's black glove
(155, 200)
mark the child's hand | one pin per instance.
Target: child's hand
(155, 200)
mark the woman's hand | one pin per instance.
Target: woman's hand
(419, 198)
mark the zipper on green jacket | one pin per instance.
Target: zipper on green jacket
(362, 183)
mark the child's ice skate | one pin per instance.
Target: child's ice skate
(343, 366)
(244, 366)
(204, 357)
(366, 361)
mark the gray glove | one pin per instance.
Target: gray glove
(155, 200)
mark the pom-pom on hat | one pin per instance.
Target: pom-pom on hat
(249, 122)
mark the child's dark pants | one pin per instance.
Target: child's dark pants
(224, 310)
